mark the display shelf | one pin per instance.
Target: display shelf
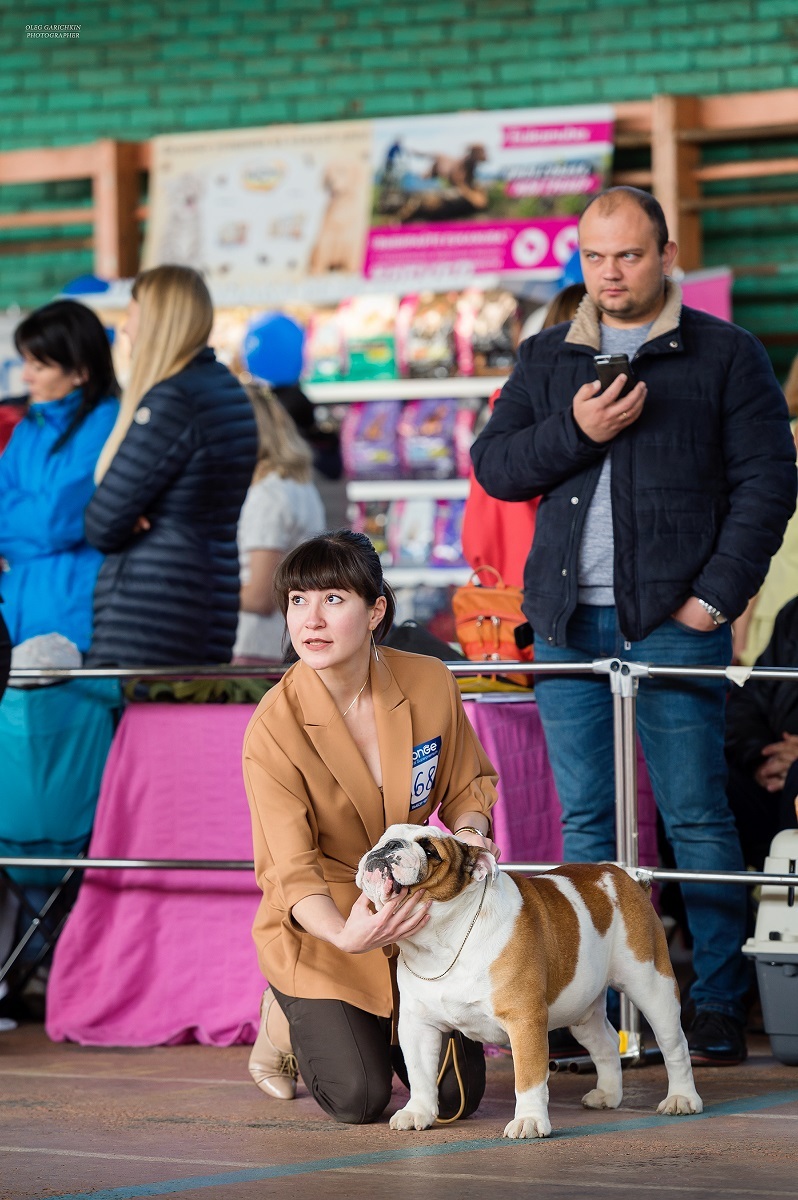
(411, 577)
(349, 391)
(407, 489)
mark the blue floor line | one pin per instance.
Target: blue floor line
(286, 1170)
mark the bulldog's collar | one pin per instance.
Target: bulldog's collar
(434, 978)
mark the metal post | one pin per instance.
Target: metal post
(624, 679)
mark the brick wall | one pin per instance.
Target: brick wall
(143, 68)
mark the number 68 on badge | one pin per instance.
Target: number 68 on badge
(425, 766)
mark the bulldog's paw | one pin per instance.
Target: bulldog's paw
(599, 1099)
(528, 1127)
(411, 1118)
(681, 1106)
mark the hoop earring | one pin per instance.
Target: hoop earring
(374, 644)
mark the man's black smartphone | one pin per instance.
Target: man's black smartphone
(610, 366)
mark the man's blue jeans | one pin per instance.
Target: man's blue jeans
(681, 727)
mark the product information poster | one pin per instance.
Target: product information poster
(321, 211)
(274, 206)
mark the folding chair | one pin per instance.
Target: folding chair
(45, 923)
(54, 741)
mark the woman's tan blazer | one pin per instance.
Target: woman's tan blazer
(316, 808)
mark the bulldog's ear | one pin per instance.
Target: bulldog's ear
(484, 864)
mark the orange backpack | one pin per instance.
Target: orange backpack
(485, 618)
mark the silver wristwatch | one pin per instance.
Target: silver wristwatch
(715, 613)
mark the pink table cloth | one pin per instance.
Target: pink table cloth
(166, 957)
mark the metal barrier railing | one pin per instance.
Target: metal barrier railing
(624, 680)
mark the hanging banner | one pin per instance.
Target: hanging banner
(322, 211)
(489, 192)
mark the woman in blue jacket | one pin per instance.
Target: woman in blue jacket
(171, 482)
(48, 569)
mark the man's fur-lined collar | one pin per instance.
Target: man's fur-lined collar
(585, 326)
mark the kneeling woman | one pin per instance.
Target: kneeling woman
(329, 763)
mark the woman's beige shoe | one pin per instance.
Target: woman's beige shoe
(272, 1064)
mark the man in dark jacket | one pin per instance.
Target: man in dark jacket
(660, 511)
(762, 745)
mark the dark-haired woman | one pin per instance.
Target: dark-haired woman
(330, 761)
(47, 473)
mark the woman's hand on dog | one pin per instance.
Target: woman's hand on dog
(399, 917)
(482, 841)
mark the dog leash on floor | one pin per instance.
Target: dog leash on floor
(451, 1052)
(433, 978)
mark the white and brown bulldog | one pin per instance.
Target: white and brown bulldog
(505, 958)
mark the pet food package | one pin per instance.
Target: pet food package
(411, 530)
(324, 348)
(425, 334)
(371, 517)
(369, 331)
(447, 548)
(369, 440)
(494, 337)
(426, 439)
(464, 425)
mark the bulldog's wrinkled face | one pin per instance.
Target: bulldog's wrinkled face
(414, 856)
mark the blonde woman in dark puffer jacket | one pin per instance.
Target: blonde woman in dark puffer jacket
(171, 481)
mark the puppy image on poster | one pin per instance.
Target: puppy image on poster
(504, 958)
(182, 234)
(340, 240)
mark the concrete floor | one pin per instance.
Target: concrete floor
(115, 1124)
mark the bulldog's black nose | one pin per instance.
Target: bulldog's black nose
(392, 846)
(382, 854)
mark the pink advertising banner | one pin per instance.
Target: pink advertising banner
(483, 193)
(474, 247)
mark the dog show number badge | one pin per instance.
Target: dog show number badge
(425, 766)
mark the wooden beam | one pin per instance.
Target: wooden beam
(739, 270)
(52, 216)
(143, 155)
(22, 246)
(638, 179)
(752, 169)
(45, 166)
(673, 168)
(778, 339)
(741, 200)
(116, 188)
(633, 123)
(746, 112)
(700, 136)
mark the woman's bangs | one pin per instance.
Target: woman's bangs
(42, 343)
(320, 569)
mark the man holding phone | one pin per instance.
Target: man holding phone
(664, 495)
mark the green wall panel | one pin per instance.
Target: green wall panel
(143, 68)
